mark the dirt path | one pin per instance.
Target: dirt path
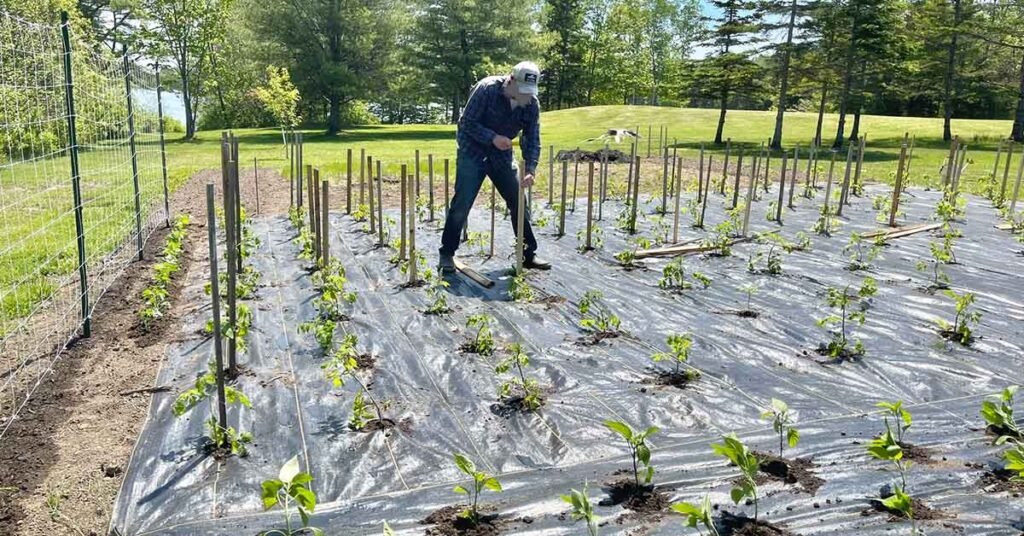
(62, 462)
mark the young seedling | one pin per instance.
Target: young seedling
(721, 243)
(782, 422)
(826, 224)
(157, 295)
(519, 288)
(627, 258)
(749, 289)
(297, 217)
(900, 417)
(960, 330)
(1014, 457)
(597, 318)
(581, 509)
(861, 254)
(679, 353)
(951, 207)
(480, 240)
(940, 256)
(481, 481)
(999, 416)
(639, 451)
(518, 389)
(698, 515)
(205, 387)
(887, 448)
(596, 239)
(290, 487)
(674, 277)
(483, 342)
(841, 301)
(772, 264)
(436, 286)
(343, 365)
(330, 281)
(736, 452)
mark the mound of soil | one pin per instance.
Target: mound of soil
(673, 379)
(447, 522)
(365, 361)
(378, 425)
(847, 354)
(920, 510)
(795, 471)
(915, 453)
(642, 499)
(733, 525)
(999, 481)
(509, 406)
(612, 155)
(596, 338)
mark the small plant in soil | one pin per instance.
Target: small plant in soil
(436, 286)
(519, 288)
(480, 240)
(639, 451)
(334, 298)
(826, 223)
(288, 489)
(782, 423)
(597, 317)
(205, 387)
(361, 212)
(721, 242)
(420, 259)
(627, 257)
(481, 481)
(772, 261)
(736, 452)
(343, 365)
(698, 515)
(960, 330)
(156, 296)
(678, 354)
(841, 302)
(940, 256)
(887, 448)
(951, 207)
(901, 418)
(659, 229)
(861, 253)
(581, 509)
(483, 342)
(1014, 457)
(998, 413)
(749, 289)
(239, 331)
(305, 243)
(297, 217)
(674, 277)
(322, 329)
(596, 239)
(518, 388)
(625, 221)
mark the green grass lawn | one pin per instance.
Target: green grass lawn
(37, 247)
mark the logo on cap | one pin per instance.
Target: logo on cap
(530, 78)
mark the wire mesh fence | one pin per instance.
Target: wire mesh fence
(82, 186)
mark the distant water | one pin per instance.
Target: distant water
(174, 106)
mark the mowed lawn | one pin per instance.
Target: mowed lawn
(38, 249)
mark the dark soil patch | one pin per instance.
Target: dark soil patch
(154, 333)
(791, 471)
(642, 499)
(468, 348)
(733, 525)
(377, 425)
(915, 453)
(365, 362)
(1000, 431)
(952, 336)
(747, 313)
(509, 406)
(672, 378)
(847, 354)
(593, 339)
(447, 522)
(999, 481)
(612, 155)
(920, 510)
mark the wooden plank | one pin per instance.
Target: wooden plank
(683, 250)
(473, 275)
(889, 234)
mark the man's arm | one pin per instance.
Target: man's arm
(475, 109)
(530, 143)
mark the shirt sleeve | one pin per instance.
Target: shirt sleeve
(530, 142)
(474, 111)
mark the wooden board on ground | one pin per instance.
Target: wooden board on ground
(690, 249)
(476, 276)
(900, 232)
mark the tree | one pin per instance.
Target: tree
(563, 60)
(188, 31)
(280, 98)
(786, 51)
(731, 68)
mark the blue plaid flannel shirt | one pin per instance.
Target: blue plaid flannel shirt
(488, 113)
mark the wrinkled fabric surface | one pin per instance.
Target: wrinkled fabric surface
(446, 401)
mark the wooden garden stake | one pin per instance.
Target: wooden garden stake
(430, 184)
(1016, 186)
(736, 185)
(725, 166)
(629, 173)
(447, 197)
(561, 206)
(230, 254)
(792, 176)
(590, 206)
(700, 176)
(380, 207)
(664, 183)
(960, 163)
(648, 141)
(362, 177)
(299, 166)
(636, 198)
(767, 168)
(413, 278)
(373, 212)
(844, 193)
(417, 175)
(860, 162)
(520, 219)
(309, 189)
(325, 224)
(403, 185)
(782, 190)
(291, 170)
(898, 187)
(954, 146)
(348, 183)
(707, 194)
(999, 153)
(807, 175)
(828, 185)
(551, 175)
(678, 172)
(755, 171)
(314, 206)
(218, 349)
(575, 177)
(494, 208)
(602, 187)
(751, 189)
(1006, 172)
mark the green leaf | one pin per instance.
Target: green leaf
(492, 484)
(269, 493)
(465, 465)
(737, 495)
(305, 498)
(460, 489)
(793, 437)
(289, 470)
(620, 428)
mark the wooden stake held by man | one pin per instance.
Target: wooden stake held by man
(520, 220)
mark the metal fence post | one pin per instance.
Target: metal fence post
(163, 150)
(135, 159)
(76, 190)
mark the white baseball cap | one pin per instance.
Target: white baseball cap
(526, 74)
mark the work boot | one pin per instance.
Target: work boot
(446, 264)
(534, 262)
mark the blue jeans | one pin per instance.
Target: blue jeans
(469, 177)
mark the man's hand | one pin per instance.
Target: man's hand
(502, 143)
(527, 180)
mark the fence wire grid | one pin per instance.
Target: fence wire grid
(44, 302)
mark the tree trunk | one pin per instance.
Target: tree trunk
(455, 108)
(186, 97)
(334, 48)
(334, 113)
(784, 76)
(721, 116)
(855, 132)
(847, 80)
(947, 129)
(821, 114)
(1018, 118)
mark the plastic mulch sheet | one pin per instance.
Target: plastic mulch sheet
(445, 401)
